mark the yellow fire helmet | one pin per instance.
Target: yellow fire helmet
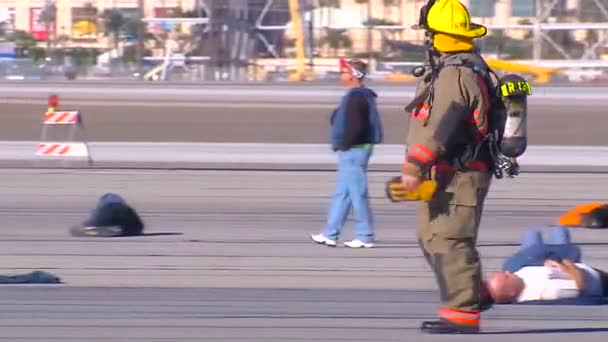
(451, 17)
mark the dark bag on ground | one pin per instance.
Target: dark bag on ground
(596, 218)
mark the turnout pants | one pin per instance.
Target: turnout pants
(447, 230)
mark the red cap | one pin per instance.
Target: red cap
(344, 64)
(355, 72)
(53, 101)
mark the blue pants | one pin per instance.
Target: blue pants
(534, 251)
(351, 191)
(556, 236)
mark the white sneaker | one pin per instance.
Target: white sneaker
(358, 244)
(320, 239)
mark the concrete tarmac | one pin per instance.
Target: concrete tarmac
(294, 124)
(275, 114)
(227, 258)
(247, 156)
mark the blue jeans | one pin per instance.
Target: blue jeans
(351, 192)
(556, 236)
(534, 251)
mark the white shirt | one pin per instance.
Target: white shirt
(544, 283)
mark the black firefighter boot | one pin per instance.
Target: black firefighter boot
(443, 326)
(456, 321)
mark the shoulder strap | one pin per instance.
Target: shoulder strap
(414, 103)
(455, 61)
(487, 74)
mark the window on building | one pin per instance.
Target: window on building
(559, 9)
(128, 32)
(523, 8)
(164, 12)
(38, 27)
(84, 22)
(482, 8)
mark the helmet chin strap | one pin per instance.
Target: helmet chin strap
(431, 52)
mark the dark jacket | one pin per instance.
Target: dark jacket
(356, 121)
(113, 210)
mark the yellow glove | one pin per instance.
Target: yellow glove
(396, 192)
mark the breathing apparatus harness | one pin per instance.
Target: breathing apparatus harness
(501, 164)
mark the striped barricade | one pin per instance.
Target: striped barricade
(62, 118)
(74, 123)
(61, 149)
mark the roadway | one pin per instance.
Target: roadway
(228, 258)
(270, 114)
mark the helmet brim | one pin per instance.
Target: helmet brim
(417, 27)
(476, 31)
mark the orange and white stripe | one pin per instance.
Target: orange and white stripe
(422, 153)
(61, 118)
(422, 111)
(470, 318)
(62, 150)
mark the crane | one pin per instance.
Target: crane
(298, 32)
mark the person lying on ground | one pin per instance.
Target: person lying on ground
(547, 271)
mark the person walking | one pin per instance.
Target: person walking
(355, 128)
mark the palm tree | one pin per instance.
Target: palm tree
(25, 44)
(23, 39)
(113, 22)
(335, 40)
(48, 16)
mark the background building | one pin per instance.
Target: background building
(79, 20)
(247, 32)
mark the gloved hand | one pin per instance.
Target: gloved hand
(396, 192)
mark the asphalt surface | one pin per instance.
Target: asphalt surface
(277, 114)
(227, 258)
(251, 156)
(548, 125)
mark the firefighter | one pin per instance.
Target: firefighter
(448, 122)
